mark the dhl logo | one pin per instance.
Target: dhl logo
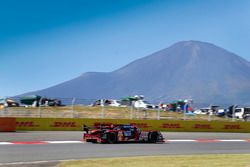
(202, 126)
(100, 124)
(232, 127)
(58, 124)
(171, 126)
(141, 125)
(26, 124)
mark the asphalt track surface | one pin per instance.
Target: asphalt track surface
(20, 154)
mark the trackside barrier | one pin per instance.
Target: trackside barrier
(7, 124)
(75, 124)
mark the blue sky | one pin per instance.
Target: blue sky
(46, 42)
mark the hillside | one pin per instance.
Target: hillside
(190, 69)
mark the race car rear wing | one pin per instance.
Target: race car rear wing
(100, 126)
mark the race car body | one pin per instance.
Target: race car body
(121, 133)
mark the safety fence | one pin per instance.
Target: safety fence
(103, 112)
(88, 108)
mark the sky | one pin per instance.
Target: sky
(47, 42)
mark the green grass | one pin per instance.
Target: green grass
(217, 160)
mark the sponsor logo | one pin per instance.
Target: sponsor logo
(171, 125)
(141, 125)
(63, 124)
(26, 124)
(202, 126)
(102, 124)
(228, 126)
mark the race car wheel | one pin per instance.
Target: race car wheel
(111, 138)
(153, 137)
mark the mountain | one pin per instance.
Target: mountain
(189, 69)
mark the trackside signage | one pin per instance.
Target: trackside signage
(230, 126)
(202, 126)
(171, 126)
(75, 124)
(26, 124)
(63, 124)
(7, 124)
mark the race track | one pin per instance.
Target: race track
(53, 152)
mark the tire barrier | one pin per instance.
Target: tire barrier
(76, 124)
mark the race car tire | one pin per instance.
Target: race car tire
(153, 137)
(111, 138)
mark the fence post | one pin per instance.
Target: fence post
(233, 112)
(39, 107)
(185, 111)
(145, 113)
(102, 109)
(158, 114)
(72, 105)
(5, 111)
(131, 110)
(209, 114)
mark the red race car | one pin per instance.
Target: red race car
(110, 133)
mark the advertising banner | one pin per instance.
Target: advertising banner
(7, 124)
(75, 124)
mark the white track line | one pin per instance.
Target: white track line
(27, 163)
(233, 140)
(5, 143)
(168, 141)
(37, 162)
(180, 140)
(209, 140)
(64, 142)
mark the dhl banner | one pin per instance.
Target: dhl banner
(7, 124)
(75, 124)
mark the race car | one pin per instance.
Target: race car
(118, 133)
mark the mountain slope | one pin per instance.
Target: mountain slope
(188, 69)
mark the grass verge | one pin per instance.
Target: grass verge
(213, 160)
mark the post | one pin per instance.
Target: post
(184, 111)
(159, 112)
(39, 107)
(72, 107)
(131, 110)
(102, 109)
(145, 113)
(233, 112)
(209, 114)
(5, 110)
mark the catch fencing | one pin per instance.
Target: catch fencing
(84, 108)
